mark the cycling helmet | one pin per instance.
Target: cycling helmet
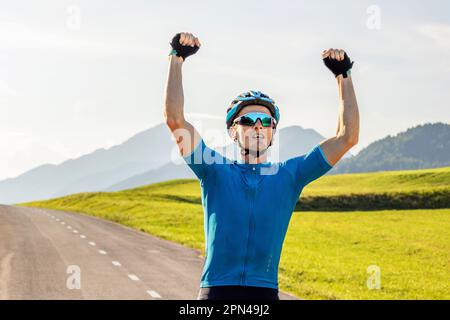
(247, 98)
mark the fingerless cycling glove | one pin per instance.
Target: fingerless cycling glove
(339, 67)
(181, 50)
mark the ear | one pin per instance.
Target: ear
(274, 130)
(235, 135)
(232, 133)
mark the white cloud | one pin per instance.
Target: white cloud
(440, 33)
(202, 116)
(6, 90)
(18, 35)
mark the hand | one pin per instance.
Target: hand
(185, 44)
(337, 61)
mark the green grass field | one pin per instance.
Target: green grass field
(428, 180)
(325, 254)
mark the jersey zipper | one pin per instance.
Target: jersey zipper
(249, 234)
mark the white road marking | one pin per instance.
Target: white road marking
(133, 277)
(153, 294)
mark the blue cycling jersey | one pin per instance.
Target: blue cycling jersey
(247, 208)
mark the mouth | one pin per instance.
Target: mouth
(258, 136)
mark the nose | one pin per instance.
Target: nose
(258, 125)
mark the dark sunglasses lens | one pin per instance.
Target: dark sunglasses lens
(246, 121)
(266, 121)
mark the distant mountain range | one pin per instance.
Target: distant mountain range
(146, 158)
(92, 172)
(421, 147)
(143, 159)
(292, 141)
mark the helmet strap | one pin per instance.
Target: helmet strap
(246, 151)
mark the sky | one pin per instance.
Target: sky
(76, 76)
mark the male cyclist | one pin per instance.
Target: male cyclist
(248, 202)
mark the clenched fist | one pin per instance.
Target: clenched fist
(184, 44)
(337, 61)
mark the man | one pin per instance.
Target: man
(248, 202)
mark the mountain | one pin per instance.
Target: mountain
(147, 158)
(290, 142)
(144, 158)
(295, 140)
(424, 146)
(92, 172)
(169, 171)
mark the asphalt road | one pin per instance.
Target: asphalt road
(48, 254)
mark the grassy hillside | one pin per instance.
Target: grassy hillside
(325, 255)
(415, 189)
(428, 180)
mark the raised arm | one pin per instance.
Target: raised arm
(185, 134)
(348, 123)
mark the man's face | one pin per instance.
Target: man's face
(257, 137)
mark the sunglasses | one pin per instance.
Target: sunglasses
(251, 118)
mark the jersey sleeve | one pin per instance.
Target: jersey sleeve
(310, 166)
(202, 160)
